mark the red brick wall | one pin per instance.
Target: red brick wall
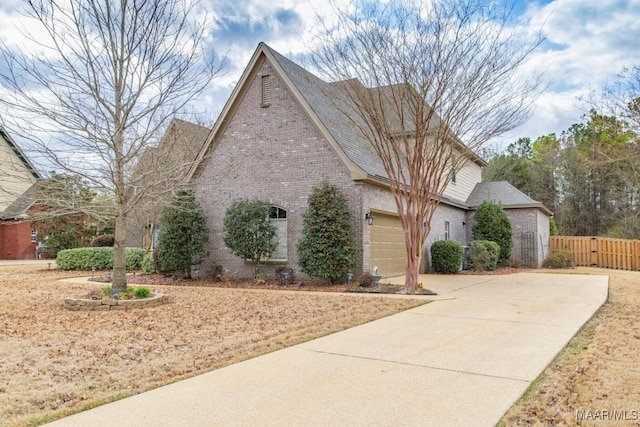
(15, 241)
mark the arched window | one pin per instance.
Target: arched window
(278, 217)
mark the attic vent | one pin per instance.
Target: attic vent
(266, 91)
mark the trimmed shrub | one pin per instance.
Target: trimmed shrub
(327, 248)
(248, 232)
(147, 266)
(183, 238)
(133, 258)
(106, 240)
(142, 292)
(492, 223)
(561, 259)
(483, 255)
(101, 258)
(446, 256)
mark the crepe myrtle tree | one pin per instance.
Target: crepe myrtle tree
(91, 83)
(426, 84)
(248, 233)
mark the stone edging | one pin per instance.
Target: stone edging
(83, 304)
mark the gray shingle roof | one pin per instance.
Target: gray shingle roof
(19, 207)
(502, 192)
(329, 104)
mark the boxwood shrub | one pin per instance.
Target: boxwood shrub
(446, 256)
(101, 258)
(483, 255)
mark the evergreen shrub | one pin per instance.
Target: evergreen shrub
(483, 255)
(446, 256)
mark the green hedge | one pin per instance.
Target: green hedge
(148, 266)
(446, 256)
(101, 258)
(483, 255)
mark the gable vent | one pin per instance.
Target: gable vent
(266, 91)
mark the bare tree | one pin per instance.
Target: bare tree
(420, 78)
(177, 151)
(97, 83)
(622, 98)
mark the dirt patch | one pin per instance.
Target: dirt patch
(595, 380)
(54, 362)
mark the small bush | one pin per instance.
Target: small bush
(216, 273)
(106, 240)
(365, 280)
(142, 292)
(446, 256)
(561, 259)
(483, 255)
(280, 275)
(147, 266)
(100, 258)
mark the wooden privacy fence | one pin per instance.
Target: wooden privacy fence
(605, 252)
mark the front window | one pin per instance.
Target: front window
(447, 230)
(278, 217)
(34, 235)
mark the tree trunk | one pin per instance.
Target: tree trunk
(119, 283)
(411, 275)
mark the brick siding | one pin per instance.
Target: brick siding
(15, 241)
(275, 154)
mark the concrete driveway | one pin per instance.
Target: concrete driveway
(462, 360)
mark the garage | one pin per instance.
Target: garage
(388, 251)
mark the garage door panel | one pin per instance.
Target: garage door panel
(388, 251)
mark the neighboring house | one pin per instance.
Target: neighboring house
(159, 172)
(18, 180)
(279, 135)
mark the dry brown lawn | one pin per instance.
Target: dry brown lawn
(55, 362)
(595, 380)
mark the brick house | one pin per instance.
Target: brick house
(278, 136)
(18, 180)
(159, 172)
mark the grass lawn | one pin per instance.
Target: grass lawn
(595, 380)
(54, 362)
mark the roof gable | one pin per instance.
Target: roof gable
(505, 194)
(324, 103)
(19, 153)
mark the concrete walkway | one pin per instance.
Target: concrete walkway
(462, 360)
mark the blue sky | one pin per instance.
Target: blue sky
(588, 43)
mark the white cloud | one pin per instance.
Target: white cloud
(588, 44)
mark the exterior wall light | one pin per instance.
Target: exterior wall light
(369, 217)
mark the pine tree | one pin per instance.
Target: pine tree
(327, 247)
(183, 234)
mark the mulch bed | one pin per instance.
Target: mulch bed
(309, 286)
